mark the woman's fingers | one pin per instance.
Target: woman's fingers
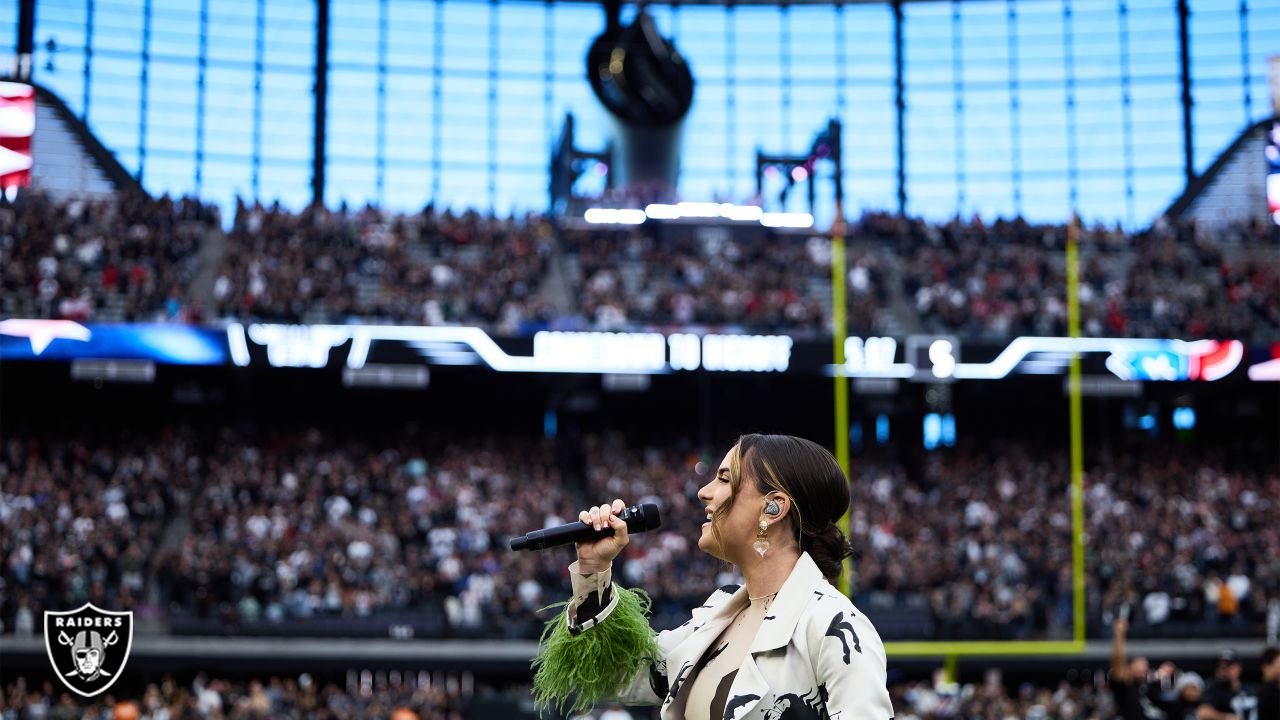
(596, 516)
(619, 530)
(602, 516)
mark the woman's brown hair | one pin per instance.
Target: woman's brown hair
(807, 474)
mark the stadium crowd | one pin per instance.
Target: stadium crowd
(1009, 278)
(131, 258)
(205, 698)
(347, 265)
(992, 700)
(1129, 691)
(1003, 523)
(237, 535)
(138, 257)
(631, 280)
(290, 698)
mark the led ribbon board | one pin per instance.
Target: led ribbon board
(916, 358)
(553, 352)
(1126, 358)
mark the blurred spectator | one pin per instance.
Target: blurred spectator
(135, 259)
(224, 532)
(207, 698)
(123, 260)
(991, 700)
(345, 266)
(1269, 690)
(1009, 278)
(1185, 700)
(1129, 682)
(1228, 698)
(756, 282)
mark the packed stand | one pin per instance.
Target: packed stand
(1009, 278)
(992, 700)
(344, 265)
(1183, 541)
(983, 543)
(294, 528)
(633, 279)
(1003, 523)
(306, 528)
(81, 521)
(128, 259)
(135, 259)
(205, 698)
(230, 535)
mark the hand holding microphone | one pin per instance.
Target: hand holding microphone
(596, 555)
(600, 533)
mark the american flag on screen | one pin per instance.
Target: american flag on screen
(1273, 171)
(17, 124)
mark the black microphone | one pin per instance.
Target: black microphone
(639, 518)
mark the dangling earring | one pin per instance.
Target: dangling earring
(762, 543)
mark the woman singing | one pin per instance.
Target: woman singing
(785, 645)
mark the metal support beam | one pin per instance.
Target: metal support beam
(1184, 57)
(437, 100)
(1246, 81)
(731, 97)
(491, 166)
(26, 40)
(957, 99)
(1015, 112)
(88, 61)
(901, 103)
(1069, 76)
(1126, 105)
(202, 71)
(380, 141)
(259, 51)
(144, 84)
(321, 98)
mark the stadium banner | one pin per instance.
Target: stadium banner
(166, 344)
(916, 358)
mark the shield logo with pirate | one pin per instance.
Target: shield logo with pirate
(88, 646)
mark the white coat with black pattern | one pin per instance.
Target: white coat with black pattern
(814, 657)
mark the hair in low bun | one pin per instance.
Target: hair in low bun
(828, 549)
(809, 475)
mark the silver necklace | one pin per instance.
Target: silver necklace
(742, 614)
(770, 595)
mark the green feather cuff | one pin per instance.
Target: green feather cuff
(597, 663)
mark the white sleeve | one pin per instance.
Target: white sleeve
(851, 669)
(593, 601)
(593, 598)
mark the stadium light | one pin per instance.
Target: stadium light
(741, 213)
(787, 220)
(614, 216)
(727, 211)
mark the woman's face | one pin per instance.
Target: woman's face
(738, 529)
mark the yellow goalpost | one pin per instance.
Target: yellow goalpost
(949, 649)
